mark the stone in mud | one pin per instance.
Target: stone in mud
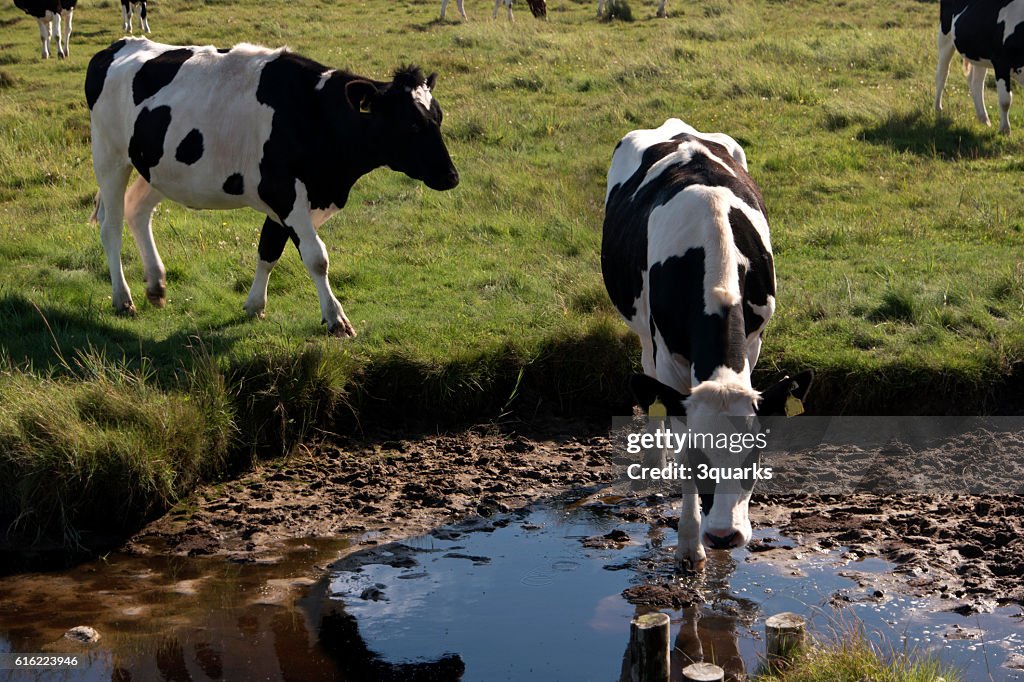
(662, 596)
(616, 539)
(83, 634)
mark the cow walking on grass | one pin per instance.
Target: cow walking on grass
(987, 34)
(127, 7)
(49, 14)
(249, 126)
(687, 261)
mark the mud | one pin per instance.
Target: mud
(967, 550)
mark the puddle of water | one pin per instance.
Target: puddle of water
(516, 599)
(527, 601)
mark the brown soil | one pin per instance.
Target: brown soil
(967, 549)
(381, 490)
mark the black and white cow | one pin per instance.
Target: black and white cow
(127, 7)
(601, 4)
(48, 14)
(987, 34)
(462, 9)
(249, 126)
(687, 261)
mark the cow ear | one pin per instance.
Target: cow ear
(773, 401)
(431, 79)
(647, 390)
(361, 95)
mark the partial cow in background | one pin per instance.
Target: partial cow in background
(687, 261)
(539, 8)
(601, 3)
(987, 34)
(497, 4)
(249, 126)
(48, 14)
(126, 14)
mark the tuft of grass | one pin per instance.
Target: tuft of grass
(618, 10)
(851, 656)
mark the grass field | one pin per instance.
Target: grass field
(898, 238)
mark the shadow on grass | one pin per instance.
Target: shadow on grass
(921, 132)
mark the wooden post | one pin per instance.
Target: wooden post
(649, 648)
(703, 672)
(785, 636)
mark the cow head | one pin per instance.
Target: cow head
(724, 519)
(407, 124)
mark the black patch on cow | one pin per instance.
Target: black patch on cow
(96, 73)
(273, 237)
(676, 289)
(39, 8)
(146, 147)
(758, 280)
(158, 72)
(223, 50)
(235, 184)
(978, 35)
(191, 148)
(624, 241)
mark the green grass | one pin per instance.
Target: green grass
(898, 238)
(852, 656)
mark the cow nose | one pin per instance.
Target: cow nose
(453, 178)
(716, 541)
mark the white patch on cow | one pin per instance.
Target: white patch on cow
(1011, 15)
(422, 96)
(324, 77)
(698, 217)
(321, 215)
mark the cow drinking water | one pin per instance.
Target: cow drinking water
(249, 126)
(687, 261)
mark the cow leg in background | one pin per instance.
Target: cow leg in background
(976, 83)
(64, 50)
(143, 14)
(126, 16)
(57, 35)
(1005, 96)
(600, 8)
(139, 203)
(112, 177)
(44, 34)
(946, 51)
(661, 9)
(273, 238)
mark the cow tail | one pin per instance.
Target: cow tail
(97, 210)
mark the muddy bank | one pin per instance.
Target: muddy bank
(379, 490)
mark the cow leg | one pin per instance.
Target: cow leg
(44, 34)
(314, 257)
(126, 17)
(494, 15)
(689, 548)
(976, 83)
(462, 8)
(510, 17)
(65, 50)
(444, 8)
(946, 50)
(1005, 96)
(661, 9)
(61, 54)
(600, 8)
(139, 204)
(112, 178)
(273, 238)
(143, 16)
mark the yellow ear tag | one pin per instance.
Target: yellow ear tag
(657, 409)
(794, 406)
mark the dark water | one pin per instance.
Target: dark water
(520, 599)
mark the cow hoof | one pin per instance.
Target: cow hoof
(125, 310)
(157, 299)
(342, 330)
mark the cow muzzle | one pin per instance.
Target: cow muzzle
(441, 183)
(723, 539)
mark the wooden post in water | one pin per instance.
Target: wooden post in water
(649, 648)
(784, 635)
(703, 672)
